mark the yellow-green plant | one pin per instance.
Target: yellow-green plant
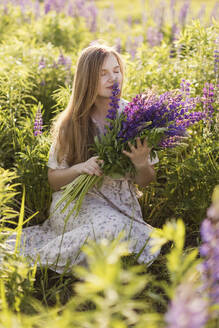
(7, 193)
(17, 275)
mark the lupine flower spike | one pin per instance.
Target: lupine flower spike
(114, 104)
(38, 124)
(188, 308)
(210, 251)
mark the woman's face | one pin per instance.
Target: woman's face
(110, 72)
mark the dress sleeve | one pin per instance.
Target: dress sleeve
(52, 161)
(154, 160)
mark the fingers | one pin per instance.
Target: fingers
(145, 144)
(92, 171)
(127, 153)
(138, 142)
(96, 160)
(132, 148)
(91, 166)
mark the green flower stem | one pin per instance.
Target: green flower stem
(72, 189)
(90, 183)
(76, 191)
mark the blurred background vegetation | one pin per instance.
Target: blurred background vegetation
(161, 42)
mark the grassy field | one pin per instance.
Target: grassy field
(38, 53)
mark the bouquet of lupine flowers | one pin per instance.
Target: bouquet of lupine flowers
(161, 119)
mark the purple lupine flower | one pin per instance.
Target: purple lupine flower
(88, 10)
(47, 6)
(159, 15)
(154, 36)
(37, 9)
(42, 63)
(132, 45)
(216, 58)
(114, 104)
(216, 61)
(174, 32)
(185, 87)
(172, 8)
(108, 14)
(188, 309)
(55, 64)
(56, 5)
(209, 250)
(64, 61)
(118, 45)
(168, 111)
(183, 13)
(215, 12)
(208, 97)
(201, 12)
(38, 124)
(92, 20)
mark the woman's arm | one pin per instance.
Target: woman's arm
(61, 177)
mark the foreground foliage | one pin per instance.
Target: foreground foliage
(38, 53)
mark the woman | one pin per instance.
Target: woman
(105, 211)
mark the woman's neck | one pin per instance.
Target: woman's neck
(101, 107)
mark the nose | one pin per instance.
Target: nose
(112, 77)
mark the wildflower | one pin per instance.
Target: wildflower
(188, 308)
(154, 36)
(132, 45)
(216, 57)
(209, 250)
(185, 87)
(167, 111)
(183, 13)
(201, 12)
(64, 61)
(208, 96)
(56, 5)
(216, 61)
(42, 63)
(114, 104)
(86, 9)
(118, 45)
(92, 19)
(38, 124)
(47, 7)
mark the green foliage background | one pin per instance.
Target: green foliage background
(186, 176)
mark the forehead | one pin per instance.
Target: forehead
(110, 61)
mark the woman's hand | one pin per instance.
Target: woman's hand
(91, 166)
(139, 154)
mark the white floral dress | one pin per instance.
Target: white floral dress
(104, 213)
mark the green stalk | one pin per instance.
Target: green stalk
(91, 181)
(75, 186)
(87, 187)
(77, 191)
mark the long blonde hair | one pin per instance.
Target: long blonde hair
(73, 130)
